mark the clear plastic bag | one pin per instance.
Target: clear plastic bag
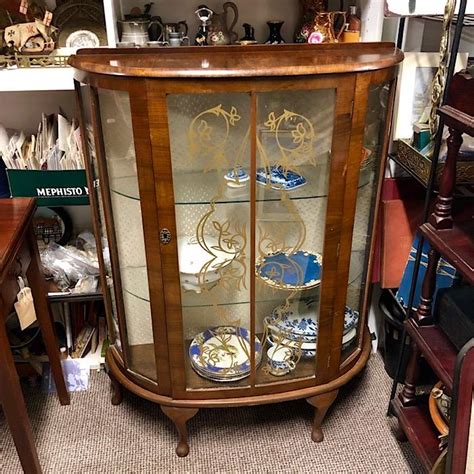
(68, 265)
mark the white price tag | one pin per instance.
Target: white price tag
(24, 307)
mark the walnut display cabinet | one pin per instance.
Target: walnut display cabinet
(234, 197)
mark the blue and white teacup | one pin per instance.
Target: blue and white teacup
(280, 360)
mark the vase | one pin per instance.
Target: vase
(275, 32)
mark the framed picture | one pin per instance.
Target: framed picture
(413, 97)
(420, 7)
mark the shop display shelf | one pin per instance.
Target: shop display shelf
(455, 244)
(419, 429)
(437, 350)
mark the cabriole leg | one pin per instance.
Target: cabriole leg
(179, 416)
(117, 393)
(321, 404)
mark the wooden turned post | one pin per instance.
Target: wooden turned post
(408, 394)
(179, 416)
(423, 313)
(442, 215)
(321, 404)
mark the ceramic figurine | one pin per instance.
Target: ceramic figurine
(275, 32)
(204, 14)
(219, 32)
(249, 37)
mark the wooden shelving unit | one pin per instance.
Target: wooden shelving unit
(416, 423)
(436, 349)
(455, 244)
(454, 241)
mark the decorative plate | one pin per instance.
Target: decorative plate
(223, 353)
(280, 178)
(290, 271)
(82, 39)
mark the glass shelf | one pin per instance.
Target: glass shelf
(198, 187)
(133, 279)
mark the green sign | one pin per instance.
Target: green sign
(52, 188)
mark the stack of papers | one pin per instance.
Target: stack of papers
(56, 146)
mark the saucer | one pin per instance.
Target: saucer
(290, 271)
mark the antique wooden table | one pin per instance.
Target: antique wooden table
(19, 257)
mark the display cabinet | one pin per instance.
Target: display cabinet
(234, 192)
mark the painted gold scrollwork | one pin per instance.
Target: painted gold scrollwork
(294, 137)
(208, 135)
(224, 240)
(227, 256)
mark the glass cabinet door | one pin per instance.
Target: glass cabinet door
(250, 249)
(126, 237)
(210, 155)
(371, 159)
(294, 139)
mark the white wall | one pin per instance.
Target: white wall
(22, 110)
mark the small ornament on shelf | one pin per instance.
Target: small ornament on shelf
(328, 27)
(204, 14)
(275, 32)
(249, 36)
(352, 28)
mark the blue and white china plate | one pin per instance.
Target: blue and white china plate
(223, 353)
(290, 271)
(280, 178)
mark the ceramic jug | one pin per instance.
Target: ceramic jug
(219, 32)
(328, 27)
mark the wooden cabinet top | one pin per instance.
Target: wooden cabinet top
(238, 61)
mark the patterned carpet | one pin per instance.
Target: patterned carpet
(92, 436)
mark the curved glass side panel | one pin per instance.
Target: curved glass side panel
(375, 123)
(126, 215)
(89, 139)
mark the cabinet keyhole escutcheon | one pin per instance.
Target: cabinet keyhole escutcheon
(165, 236)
